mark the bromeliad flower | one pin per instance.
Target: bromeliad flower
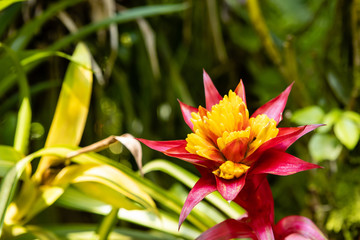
(258, 223)
(227, 145)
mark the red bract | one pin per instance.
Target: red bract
(258, 222)
(227, 145)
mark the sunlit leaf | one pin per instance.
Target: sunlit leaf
(73, 103)
(166, 199)
(32, 198)
(94, 180)
(72, 108)
(6, 3)
(8, 158)
(329, 120)
(9, 183)
(308, 115)
(165, 222)
(74, 199)
(347, 131)
(34, 232)
(324, 147)
(86, 231)
(103, 180)
(18, 209)
(354, 116)
(157, 193)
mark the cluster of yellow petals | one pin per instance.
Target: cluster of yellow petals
(226, 134)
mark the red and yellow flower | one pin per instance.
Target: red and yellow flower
(258, 221)
(227, 144)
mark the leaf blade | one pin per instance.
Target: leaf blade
(72, 108)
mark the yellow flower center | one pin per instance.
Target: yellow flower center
(230, 170)
(226, 134)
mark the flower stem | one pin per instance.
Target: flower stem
(286, 62)
(107, 224)
(22, 133)
(355, 28)
(216, 30)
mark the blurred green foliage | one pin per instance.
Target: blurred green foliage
(148, 54)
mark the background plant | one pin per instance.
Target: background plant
(149, 53)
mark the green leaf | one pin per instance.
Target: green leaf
(30, 232)
(72, 108)
(24, 115)
(162, 196)
(86, 231)
(6, 3)
(94, 180)
(8, 16)
(354, 116)
(167, 200)
(104, 180)
(166, 222)
(338, 86)
(324, 147)
(8, 158)
(122, 17)
(32, 199)
(162, 221)
(29, 29)
(330, 119)
(73, 104)
(308, 115)
(9, 183)
(347, 131)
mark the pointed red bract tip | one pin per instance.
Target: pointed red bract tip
(204, 186)
(186, 112)
(212, 95)
(162, 146)
(275, 107)
(280, 163)
(240, 91)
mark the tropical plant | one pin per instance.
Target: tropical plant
(79, 78)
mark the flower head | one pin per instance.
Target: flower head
(227, 135)
(228, 145)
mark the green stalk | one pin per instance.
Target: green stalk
(355, 28)
(216, 30)
(286, 63)
(292, 73)
(108, 224)
(264, 34)
(22, 133)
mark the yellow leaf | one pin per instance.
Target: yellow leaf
(72, 108)
(112, 186)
